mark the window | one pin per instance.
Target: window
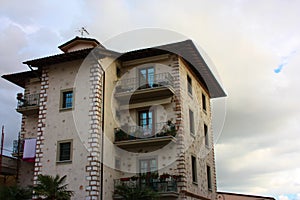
(117, 163)
(194, 169)
(206, 136)
(208, 172)
(192, 126)
(64, 151)
(66, 99)
(148, 165)
(146, 122)
(189, 85)
(203, 102)
(146, 77)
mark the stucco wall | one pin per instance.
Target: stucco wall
(62, 125)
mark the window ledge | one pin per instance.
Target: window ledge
(64, 162)
(195, 183)
(65, 109)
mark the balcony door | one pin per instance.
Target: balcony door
(146, 77)
(146, 122)
(148, 165)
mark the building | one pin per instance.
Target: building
(104, 118)
(8, 170)
(236, 196)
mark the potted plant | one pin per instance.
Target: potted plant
(134, 178)
(176, 177)
(164, 176)
(154, 175)
(125, 179)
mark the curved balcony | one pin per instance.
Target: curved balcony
(135, 90)
(154, 136)
(165, 187)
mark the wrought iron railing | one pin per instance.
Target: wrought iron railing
(142, 132)
(137, 83)
(28, 100)
(158, 185)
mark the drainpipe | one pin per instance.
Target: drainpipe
(1, 150)
(18, 157)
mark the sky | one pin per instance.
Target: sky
(254, 47)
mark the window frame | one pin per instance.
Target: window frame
(118, 163)
(206, 135)
(148, 159)
(62, 107)
(208, 177)
(194, 169)
(189, 85)
(153, 119)
(192, 122)
(204, 103)
(58, 153)
(148, 75)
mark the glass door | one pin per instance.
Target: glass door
(146, 123)
(146, 77)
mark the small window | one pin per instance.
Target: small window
(209, 183)
(189, 85)
(192, 126)
(206, 136)
(203, 102)
(67, 99)
(117, 163)
(64, 151)
(194, 169)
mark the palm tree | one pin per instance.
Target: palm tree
(52, 188)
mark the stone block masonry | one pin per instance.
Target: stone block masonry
(41, 125)
(93, 167)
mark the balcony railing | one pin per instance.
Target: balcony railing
(18, 148)
(136, 83)
(28, 100)
(159, 185)
(151, 131)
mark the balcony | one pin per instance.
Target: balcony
(155, 136)
(135, 90)
(166, 187)
(29, 104)
(18, 147)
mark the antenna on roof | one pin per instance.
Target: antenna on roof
(83, 31)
